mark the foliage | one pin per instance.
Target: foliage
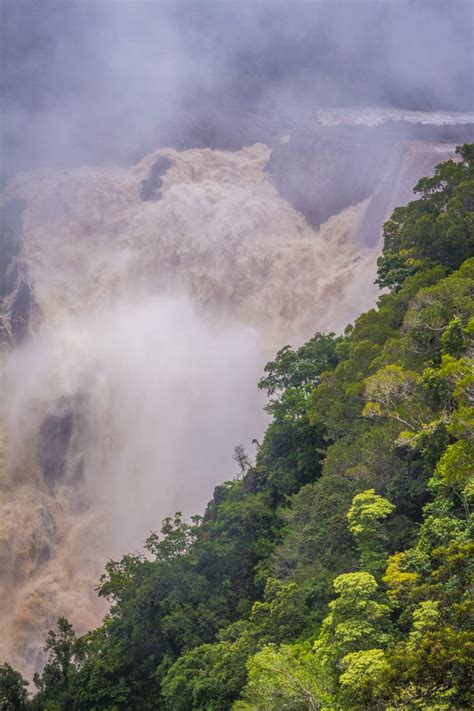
(364, 517)
(357, 621)
(437, 228)
(285, 678)
(293, 374)
(59, 682)
(13, 694)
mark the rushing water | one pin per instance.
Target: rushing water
(155, 296)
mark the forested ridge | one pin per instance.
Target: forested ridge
(335, 571)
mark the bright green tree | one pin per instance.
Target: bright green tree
(365, 517)
(284, 679)
(357, 621)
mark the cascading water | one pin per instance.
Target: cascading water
(155, 296)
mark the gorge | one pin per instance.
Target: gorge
(138, 308)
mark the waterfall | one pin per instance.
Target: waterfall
(138, 308)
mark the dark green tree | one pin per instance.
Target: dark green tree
(13, 690)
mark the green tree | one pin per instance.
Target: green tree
(59, 680)
(293, 374)
(364, 679)
(357, 621)
(437, 228)
(365, 517)
(13, 690)
(283, 679)
(389, 393)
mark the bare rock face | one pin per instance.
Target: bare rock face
(17, 304)
(308, 167)
(151, 186)
(11, 232)
(53, 443)
(344, 156)
(343, 159)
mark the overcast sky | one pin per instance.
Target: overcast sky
(99, 80)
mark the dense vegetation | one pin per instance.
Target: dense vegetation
(336, 571)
